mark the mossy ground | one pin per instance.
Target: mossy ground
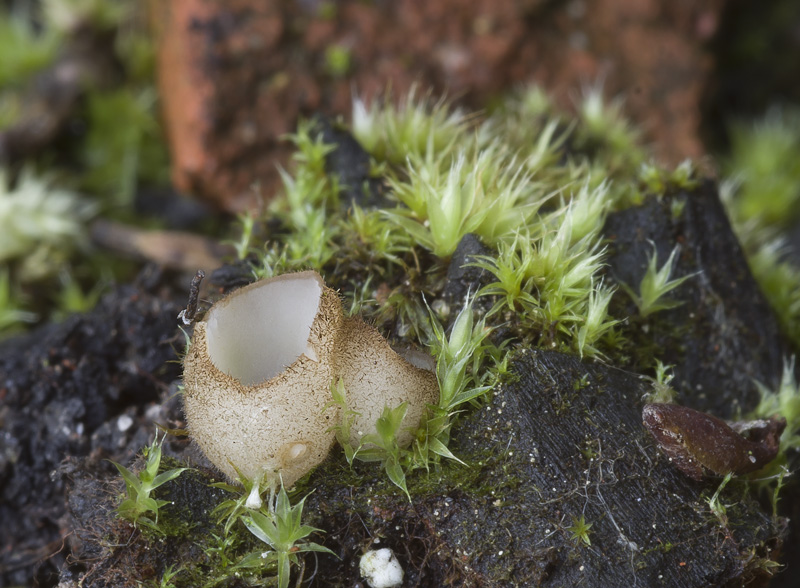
(384, 276)
(466, 525)
(400, 284)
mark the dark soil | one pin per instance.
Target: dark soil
(563, 441)
(79, 388)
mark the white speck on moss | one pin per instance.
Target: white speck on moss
(381, 569)
(254, 501)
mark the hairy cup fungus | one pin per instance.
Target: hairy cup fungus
(253, 375)
(258, 373)
(375, 376)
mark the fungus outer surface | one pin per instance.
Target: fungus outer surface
(257, 379)
(375, 377)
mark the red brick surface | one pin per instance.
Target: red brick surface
(236, 75)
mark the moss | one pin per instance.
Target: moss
(109, 145)
(337, 60)
(456, 180)
(123, 146)
(25, 51)
(762, 194)
(190, 543)
(392, 264)
(40, 224)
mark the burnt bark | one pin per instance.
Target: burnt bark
(562, 442)
(723, 336)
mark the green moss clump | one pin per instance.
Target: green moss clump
(762, 195)
(45, 207)
(25, 51)
(532, 185)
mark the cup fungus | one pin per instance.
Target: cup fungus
(253, 375)
(258, 373)
(375, 376)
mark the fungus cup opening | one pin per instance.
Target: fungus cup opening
(266, 330)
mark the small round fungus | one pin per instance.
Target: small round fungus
(381, 569)
(375, 376)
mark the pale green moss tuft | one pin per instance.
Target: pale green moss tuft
(765, 161)
(40, 225)
(656, 284)
(12, 313)
(486, 194)
(25, 51)
(416, 127)
(784, 401)
(762, 195)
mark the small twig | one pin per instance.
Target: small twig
(188, 314)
